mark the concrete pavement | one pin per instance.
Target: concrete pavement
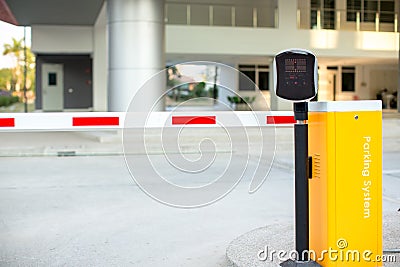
(87, 211)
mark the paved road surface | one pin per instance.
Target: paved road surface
(87, 211)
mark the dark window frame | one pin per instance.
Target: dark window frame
(327, 10)
(348, 76)
(252, 72)
(368, 9)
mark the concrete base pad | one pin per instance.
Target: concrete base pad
(261, 247)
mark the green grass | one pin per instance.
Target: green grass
(17, 107)
(8, 100)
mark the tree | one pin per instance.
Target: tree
(173, 76)
(199, 89)
(16, 51)
(5, 79)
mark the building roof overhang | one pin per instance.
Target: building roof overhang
(50, 12)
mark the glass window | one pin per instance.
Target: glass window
(328, 4)
(263, 80)
(315, 3)
(199, 15)
(265, 17)
(387, 6)
(247, 84)
(387, 12)
(313, 19)
(327, 14)
(348, 79)
(244, 16)
(258, 75)
(52, 78)
(370, 5)
(247, 67)
(329, 19)
(256, 13)
(369, 8)
(176, 14)
(222, 15)
(352, 7)
(351, 16)
(332, 68)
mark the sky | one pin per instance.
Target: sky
(7, 32)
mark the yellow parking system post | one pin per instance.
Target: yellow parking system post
(345, 143)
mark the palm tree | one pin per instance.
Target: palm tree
(16, 50)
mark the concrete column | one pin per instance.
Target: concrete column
(273, 105)
(136, 51)
(229, 78)
(287, 14)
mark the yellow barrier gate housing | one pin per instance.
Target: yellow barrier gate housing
(345, 191)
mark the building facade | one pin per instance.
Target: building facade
(97, 56)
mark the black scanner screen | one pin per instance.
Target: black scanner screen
(295, 76)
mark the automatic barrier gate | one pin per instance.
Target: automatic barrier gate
(345, 143)
(338, 169)
(79, 121)
(344, 170)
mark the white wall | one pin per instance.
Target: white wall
(268, 41)
(369, 79)
(77, 40)
(257, 41)
(62, 39)
(100, 59)
(230, 79)
(380, 77)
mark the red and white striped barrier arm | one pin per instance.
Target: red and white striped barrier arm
(76, 121)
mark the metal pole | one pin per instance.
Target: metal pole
(398, 86)
(25, 73)
(215, 88)
(301, 180)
